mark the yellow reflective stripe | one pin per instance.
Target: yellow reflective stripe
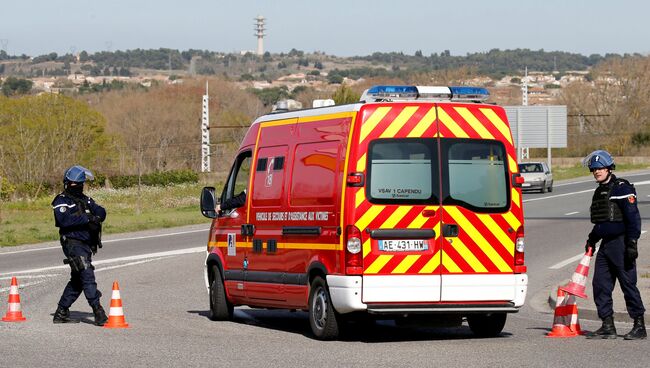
(423, 124)
(267, 124)
(451, 124)
(379, 263)
(338, 115)
(399, 122)
(432, 264)
(393, 219)
(512, 220)
(361, 163)
(366, 247)
(498, 232)
(498, 123)
(359, 197)
(512, 165)
(515, 197)
(468, 256)
(475, 235)
(449, 264)
(474, 122)
(367, 217)
(372, 122)
(406, 263)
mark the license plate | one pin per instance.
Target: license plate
(525, 184)
(396, 245)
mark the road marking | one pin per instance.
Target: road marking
(578, 192)
(109, 241)
(577, 258)
(115, 260)
(571, 213)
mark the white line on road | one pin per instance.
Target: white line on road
(110, 241)
(578, 192)
(576, 258)
(571, 213)
(115, 260)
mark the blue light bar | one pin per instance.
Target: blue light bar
(393, 89)
(469, 93)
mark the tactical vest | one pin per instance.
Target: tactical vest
(602, 209)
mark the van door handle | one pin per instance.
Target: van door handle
(450, 230)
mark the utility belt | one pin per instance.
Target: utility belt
(77, 263)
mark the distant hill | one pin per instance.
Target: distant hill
(494, 63)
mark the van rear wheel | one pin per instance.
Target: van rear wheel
(220, 308)
(486, 325)
(322, 317)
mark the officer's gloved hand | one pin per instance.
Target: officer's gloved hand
(94, 219)
(591, 246)
(631, 251)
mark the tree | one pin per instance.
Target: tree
(345, 95)
(16, 86)
(83, 56)
(318, 65)
(42, 135)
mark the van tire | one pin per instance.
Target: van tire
(486, 325)
(323, 319)
(220, 308)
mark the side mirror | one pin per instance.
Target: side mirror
(208, 202)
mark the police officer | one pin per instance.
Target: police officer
(617, 224)
(79, 219)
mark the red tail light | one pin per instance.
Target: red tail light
(353, 251)
(519, 251)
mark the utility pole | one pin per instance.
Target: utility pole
(205, 133)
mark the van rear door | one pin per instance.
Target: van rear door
(481, 212)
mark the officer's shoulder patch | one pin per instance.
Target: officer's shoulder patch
(62, 209)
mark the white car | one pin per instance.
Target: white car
(537, 176)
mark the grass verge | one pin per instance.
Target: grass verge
(31, 221)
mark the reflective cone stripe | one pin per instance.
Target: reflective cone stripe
(565, 320)
(578, 282)
(116, 313)
(14, 313)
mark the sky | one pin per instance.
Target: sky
(336, 27)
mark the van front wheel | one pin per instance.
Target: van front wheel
(486, 325)
(220, 308)
(322, 317)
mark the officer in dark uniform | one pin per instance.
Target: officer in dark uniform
(617, 223)
(231, 203)
(79, 220)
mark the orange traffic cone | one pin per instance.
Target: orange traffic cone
(578, 281)
(565, 321)
(13, 312)
(116, 313)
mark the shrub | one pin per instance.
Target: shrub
(159, 178)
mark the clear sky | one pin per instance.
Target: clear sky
(337, 27)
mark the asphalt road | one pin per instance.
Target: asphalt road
(166, 305)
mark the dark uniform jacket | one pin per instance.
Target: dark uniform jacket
(71, 218)
(614, 211)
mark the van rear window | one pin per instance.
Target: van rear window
(473, 173)
(402, 170)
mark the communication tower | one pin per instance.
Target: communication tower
(259, 33)
(205, 134)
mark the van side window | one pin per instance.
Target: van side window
(475, 174)
(239, 176)
(403, 171)
(261, 164)
(315, 172)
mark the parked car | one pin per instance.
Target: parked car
(537, 176)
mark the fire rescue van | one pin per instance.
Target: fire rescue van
(406, 205)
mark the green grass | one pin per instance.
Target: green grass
(562, 173)
(32, 221)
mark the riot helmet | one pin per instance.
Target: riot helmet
(74, 178)
(599, 159)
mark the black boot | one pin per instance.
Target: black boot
(638, 330)
(62, 315)
(606, 331)
(100, 315)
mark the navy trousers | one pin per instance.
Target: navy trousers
(82, 280)
(609, 267)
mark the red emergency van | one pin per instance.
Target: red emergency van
(406, 204)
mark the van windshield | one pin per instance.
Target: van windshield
(473, 174)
